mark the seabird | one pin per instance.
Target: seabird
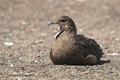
(72, 49)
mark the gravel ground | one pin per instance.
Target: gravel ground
(24, 24)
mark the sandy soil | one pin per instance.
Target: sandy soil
(24, 24)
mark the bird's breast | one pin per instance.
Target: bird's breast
(63, 48)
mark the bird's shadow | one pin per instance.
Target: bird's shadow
(102, 62)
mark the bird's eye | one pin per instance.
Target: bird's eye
(62, 20)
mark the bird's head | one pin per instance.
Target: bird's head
(66, 24)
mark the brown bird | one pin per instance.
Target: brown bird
(72, 49)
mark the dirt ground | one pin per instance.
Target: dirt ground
(24, 24)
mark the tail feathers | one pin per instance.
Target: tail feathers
(101, 51)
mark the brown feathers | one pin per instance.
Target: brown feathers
(73, 49)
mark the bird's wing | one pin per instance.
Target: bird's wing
(89, 47)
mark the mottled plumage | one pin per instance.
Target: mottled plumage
(70, 48)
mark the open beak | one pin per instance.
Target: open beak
(59, 29)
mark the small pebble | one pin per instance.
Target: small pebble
(11, 65)
(113, 54)
(117, 39)
(8, 43)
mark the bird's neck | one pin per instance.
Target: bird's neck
(67, 35)
(71, 32)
